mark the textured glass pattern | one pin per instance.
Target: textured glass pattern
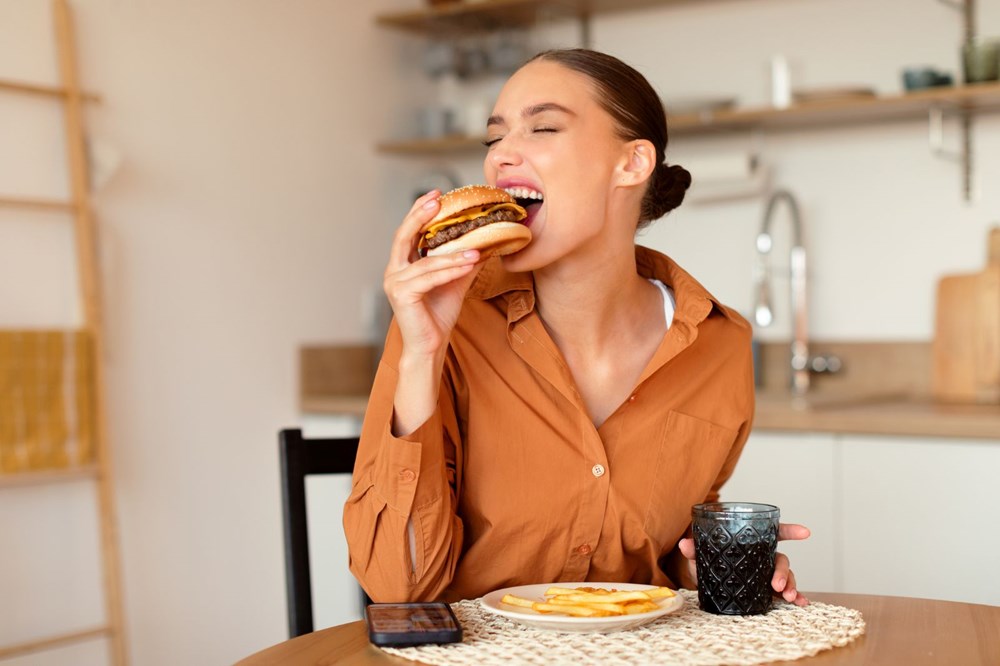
(735, 544)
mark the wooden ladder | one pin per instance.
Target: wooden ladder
(84, 233)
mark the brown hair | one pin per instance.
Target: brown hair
(638, 112)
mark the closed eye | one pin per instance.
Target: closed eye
(537, 130)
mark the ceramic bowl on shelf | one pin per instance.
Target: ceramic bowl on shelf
(918, 78)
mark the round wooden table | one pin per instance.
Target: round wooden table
(900, 630)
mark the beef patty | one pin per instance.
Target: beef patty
(456, 230)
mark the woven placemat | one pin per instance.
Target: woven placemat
(689, 636)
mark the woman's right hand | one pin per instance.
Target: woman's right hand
(426, 293)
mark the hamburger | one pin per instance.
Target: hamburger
(475, 217)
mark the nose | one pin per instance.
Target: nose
(504, 153)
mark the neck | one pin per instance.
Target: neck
(591, 303)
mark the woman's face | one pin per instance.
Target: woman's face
(552, 143)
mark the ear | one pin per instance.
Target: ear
(637, 163)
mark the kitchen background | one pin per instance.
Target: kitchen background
(246, 213)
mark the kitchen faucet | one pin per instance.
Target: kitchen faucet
(763, 314)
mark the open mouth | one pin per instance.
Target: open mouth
(529, 199)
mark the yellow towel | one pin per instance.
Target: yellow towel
(46, 400)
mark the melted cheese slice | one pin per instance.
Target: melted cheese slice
(471, 213)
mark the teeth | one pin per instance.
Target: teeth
(524, 193)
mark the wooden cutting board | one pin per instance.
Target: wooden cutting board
(967, 337)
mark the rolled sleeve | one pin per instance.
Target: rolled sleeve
(399, 468)
(401, 482)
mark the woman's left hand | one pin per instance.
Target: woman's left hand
(783, 581)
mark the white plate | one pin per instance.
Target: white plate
(491, 603)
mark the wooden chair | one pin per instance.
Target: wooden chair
(300, 458)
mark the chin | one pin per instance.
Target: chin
(525, 261)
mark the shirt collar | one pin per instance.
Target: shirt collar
(494, 281)
(694, 302)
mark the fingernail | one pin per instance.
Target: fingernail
(781, 583)
(470, 254)
(430, 204)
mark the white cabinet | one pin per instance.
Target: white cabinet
(908, 516)
(336, 595)
(797, 473)
(920, 517)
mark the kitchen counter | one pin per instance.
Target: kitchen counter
(886, 415)
(339, 405)
(879, 415)
(874, 394)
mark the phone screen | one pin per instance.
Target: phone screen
(412, 623)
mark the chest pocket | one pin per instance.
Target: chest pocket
(689, 457)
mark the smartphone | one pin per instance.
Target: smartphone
(412, 624)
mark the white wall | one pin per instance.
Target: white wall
(247, 129)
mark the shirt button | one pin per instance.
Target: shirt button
(407, 475)
(598, 470)
(584, 549)
(632, 398)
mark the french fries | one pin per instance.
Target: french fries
(512, 600)
(592, 601)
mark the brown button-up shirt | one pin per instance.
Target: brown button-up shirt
(510, 483)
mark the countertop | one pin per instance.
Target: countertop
(877, 415)
(873, 394)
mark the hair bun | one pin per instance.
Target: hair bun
(667, 187)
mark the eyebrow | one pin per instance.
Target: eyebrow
(530, 111)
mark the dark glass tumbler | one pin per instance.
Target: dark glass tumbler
(734, 546)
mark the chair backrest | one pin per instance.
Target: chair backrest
(300, 458)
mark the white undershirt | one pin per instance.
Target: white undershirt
(669, 304)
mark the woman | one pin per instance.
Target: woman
(552, 416)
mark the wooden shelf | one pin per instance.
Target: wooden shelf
(70, 96)
(479, 16)
(46, 477)
(487, 15)
(43, 204)
(54, 641)
(47, 91)
(444, 145)
(978, 97)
